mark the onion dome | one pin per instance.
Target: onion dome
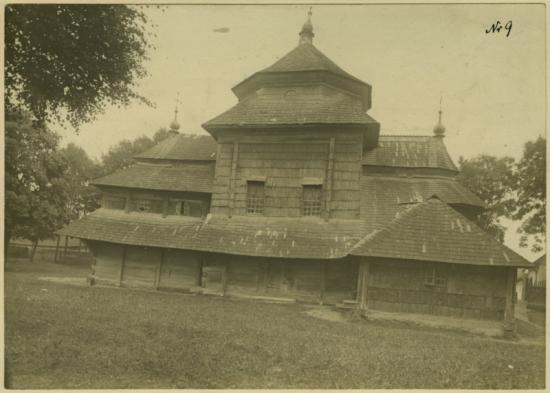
(306, 35)
(174, 125)
(439, 129)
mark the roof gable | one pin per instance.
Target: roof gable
(433, 231)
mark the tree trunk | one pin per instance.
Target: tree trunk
(33, 251)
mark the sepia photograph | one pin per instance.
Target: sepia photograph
(275, 196)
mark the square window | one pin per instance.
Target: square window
(255, 197)
(312, 198)
(186, 208)
(143, 205)
(436, 278)
(113, 202)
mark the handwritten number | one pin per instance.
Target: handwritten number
(508, 27)
(497, 27)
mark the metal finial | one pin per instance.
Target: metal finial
(439, 129)
(174, 126)
(306, 35)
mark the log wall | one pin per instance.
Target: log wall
(470, 291)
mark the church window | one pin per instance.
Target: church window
(255, 197)
(435, 278)
(312, 198)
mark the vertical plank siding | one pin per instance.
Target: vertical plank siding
(285, 162)
(309, 281)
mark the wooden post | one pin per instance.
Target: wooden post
(330, 170)
(232, 178)
(509, 324)
(159, 269)
(224, 276)
(323, 281)
(66, 246)
(122, 265)
(56, 256)
(362, 284)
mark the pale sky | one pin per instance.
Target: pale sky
(493, 86)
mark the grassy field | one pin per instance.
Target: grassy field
(67, 336)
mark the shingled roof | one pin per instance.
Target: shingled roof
(306, 57)
(410, 152)
(277, 110)
(183, 176)
(182, 147)
(433, 231)
(253, 236)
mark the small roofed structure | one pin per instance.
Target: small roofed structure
(295, 195)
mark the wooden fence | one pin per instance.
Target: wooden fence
(535, 295)
(62, 250)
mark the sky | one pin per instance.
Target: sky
(493, 86)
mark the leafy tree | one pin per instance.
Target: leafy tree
(36, 192)
(531, 194)
(84, 198)
(121, 155)
(65, 62)
(492, 180)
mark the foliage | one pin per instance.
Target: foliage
(121, 155)
(36, 192)
(492, 180)
(84, 198)
(531, 194)
(65, 62)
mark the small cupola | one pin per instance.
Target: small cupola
(306, 35)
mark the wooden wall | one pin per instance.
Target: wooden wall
(284, 159)
(471, 291)
(313, 281)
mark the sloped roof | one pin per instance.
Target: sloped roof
(306, 57)
(184, 176)
(541, 261)
(273, 109)
(253, 236)
(384, 197)
(410, 152)
(182, 147)
(433, 231)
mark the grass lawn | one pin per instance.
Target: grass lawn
(67, 336)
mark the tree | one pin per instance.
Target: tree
(83, 197)
(531, 194)
(65, 62)
(36, 192)
(492, 180)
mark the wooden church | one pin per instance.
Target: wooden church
(295, 195)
